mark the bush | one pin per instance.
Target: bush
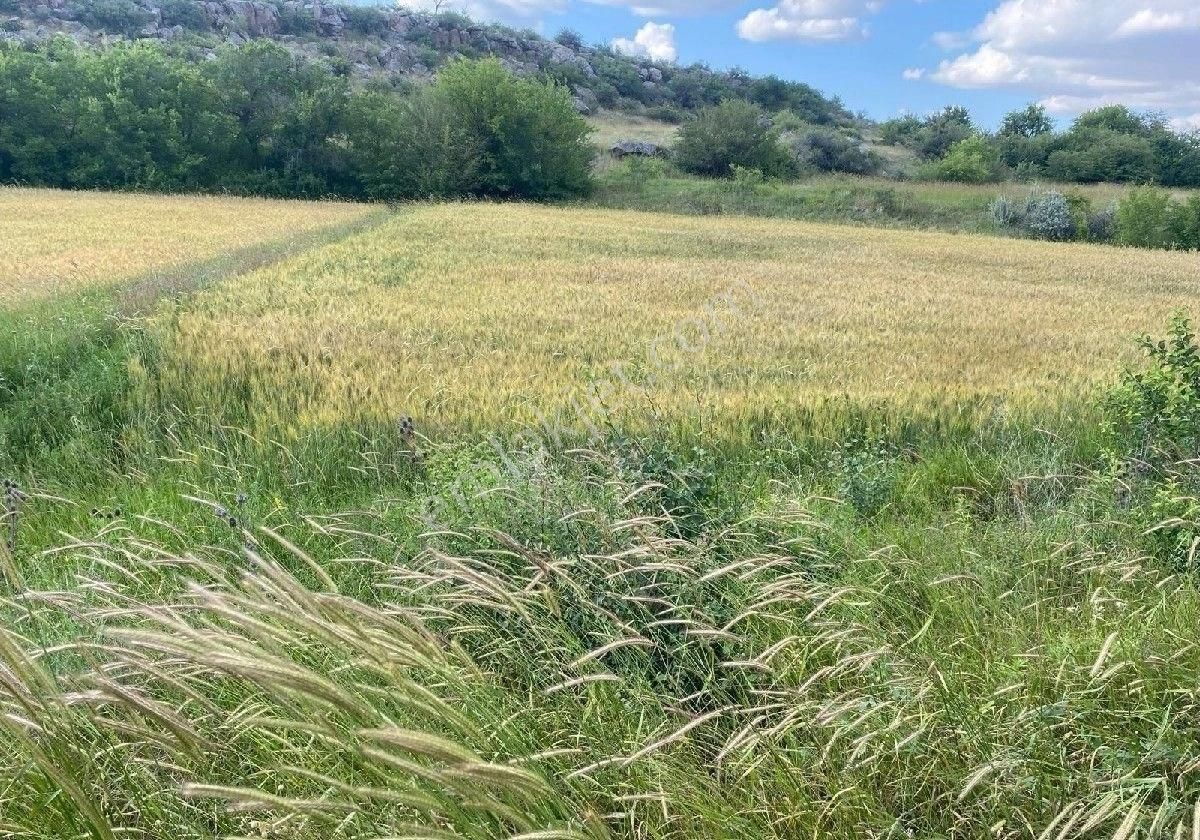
(1155, 414)
(366, 20)
(1102, 224)
(828, 150)
(531, 141)
(970, 161)
(412, 147)
(123, 16)
(1006, 213)
(1144, 218)
(732, 133)
(185, 13)
(1048, 216)
(1184, 224)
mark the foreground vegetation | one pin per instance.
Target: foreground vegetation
(630, 573)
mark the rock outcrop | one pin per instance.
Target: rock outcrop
(372, 40)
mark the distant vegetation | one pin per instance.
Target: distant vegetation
(1112, 144)
(259, 120)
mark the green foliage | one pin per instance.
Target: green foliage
(732, 133)
(1031, 121)
(121, 16)
(824, 149)
(900, 131)
(530, 140)
(1185, 224)
(185, 13)
(257, 119)
(411, 147)
(366, 20)
(942, 131)
(1154, 413)
(970, 161)
(1144, 218)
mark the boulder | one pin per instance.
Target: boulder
(638, 148)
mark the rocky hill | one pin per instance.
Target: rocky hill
(369, 41)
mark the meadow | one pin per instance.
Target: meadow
(514, 521)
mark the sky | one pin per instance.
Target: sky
(888, 57)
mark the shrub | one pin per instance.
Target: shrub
(828, 150)
(570, 39)
(531, 141)
(294, 20)
(1144, 218)
(1102, 224)
(733, 132)
(185, 13)
(366, 20)
(970, 161)
(1155, 413)
(1184, 224)
(122, 16)
(410, 148)
(1005, 213)
(1048, 216)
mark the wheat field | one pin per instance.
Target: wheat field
(476, 315)
(56, 242)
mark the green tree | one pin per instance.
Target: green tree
(942, 130)
(1030, 121)
(531, 143)
(410, 147)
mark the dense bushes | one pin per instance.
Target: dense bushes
(257, 119)
(1146, 217)
(1110, 144)
(1150, 218)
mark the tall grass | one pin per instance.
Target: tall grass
(762, 683)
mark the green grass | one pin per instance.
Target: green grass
(847, 199)
(870, 624)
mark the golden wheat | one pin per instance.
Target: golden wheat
(476, 315)
(55, 241)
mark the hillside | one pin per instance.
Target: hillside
(368, 42)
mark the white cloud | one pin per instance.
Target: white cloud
(1076, 54)
(655, 41)
(914, 73)
(809, 20)
(1190, 122)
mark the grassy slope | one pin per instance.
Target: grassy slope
(945, 626)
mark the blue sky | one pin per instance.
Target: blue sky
(890, 56)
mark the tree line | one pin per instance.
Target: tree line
(1109, 144)
(258, 119)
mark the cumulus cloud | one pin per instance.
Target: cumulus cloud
(809, 20)
(1077, 54)
(914, 73)
(655, 41)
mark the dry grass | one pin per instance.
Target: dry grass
(611, 126)
(56, 242)
(473, 315)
